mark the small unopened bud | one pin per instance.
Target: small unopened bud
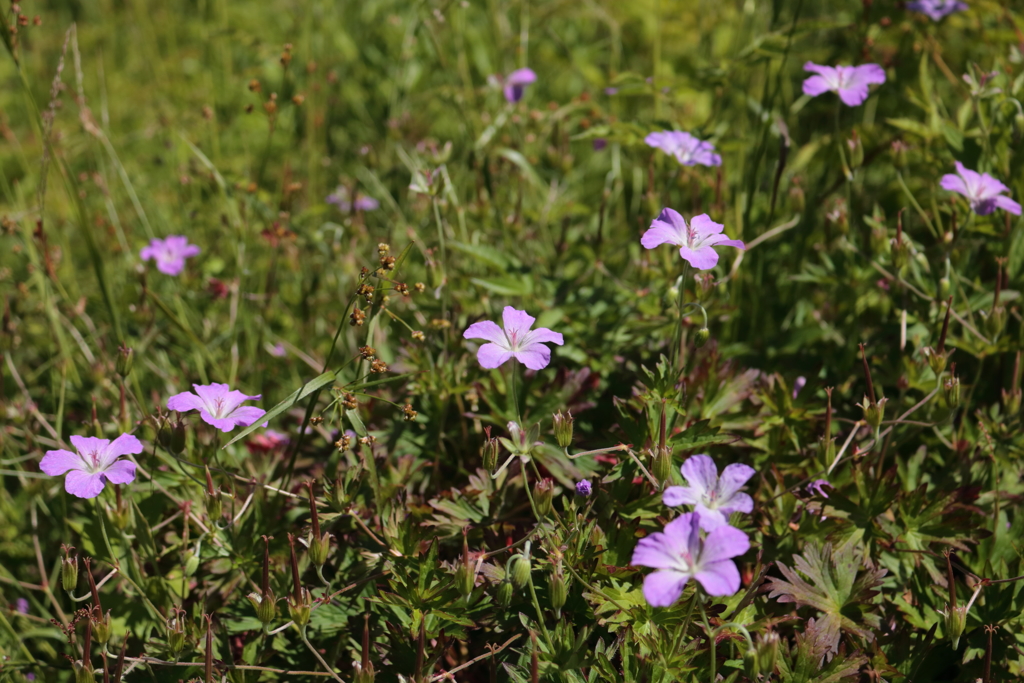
(936, 360)
(1011, 402)
(125, 361)
(856, 151)
(955, 622)
(518, 570)
(543, 494)
(176, 632)
(661, 465)
(300, 607)
(489, 453)
(563, 428)
(995, 321)
(559, 592)
(767, 652)
(900, 253)
(874, 412)
(751, 663)
(83, 672)
(701, 338)
(214, 506)
(319, 549)
(951, 390)
(100, 627)
(265, 605)
(504, 595)
(69, 569)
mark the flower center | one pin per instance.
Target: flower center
(92, 460)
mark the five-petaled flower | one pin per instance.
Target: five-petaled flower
(983, 192)
(169, 253)
(517, 341)
(679, 555)
(714, 498)
(516, 82)
(218, 405)
(851, 82)
(937, 9)
(696, 241)
(95, 463)
(687, 149)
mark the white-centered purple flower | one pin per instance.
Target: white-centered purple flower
(687, 149)
(515, 84)
(983, 192)
(696, 241)
(851, 82)
(679, 554)
(218, 405)
(818, 487)
(517, 340)
(937, 9)
(169, 253)
(95, 463)
(714, 498)
(340, 198)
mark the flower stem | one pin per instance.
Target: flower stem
(712, 638)
(680, 301)
(540, 615)
(302, 634)
(514, 396)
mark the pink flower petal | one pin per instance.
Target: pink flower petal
(83, 484)
(733, 479)
(534, 356)
(663, 587)
(487, 330)
(121, 472)
(723, 543)
(701, 474)
(1008, 204)
(660, 233)
(816, 85)
(517, 323)
(544, 335)
(492, 356)
(56, 463)
(705, 226)
(89, 444)
(679, 495)
(224, 424)
(246, 415)
(719, 578)
(126, 444)
(953, 183)
(184, 402)
(701, 258)
(210, 393)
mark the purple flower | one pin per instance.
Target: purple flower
(267, 442)
(340, 198)
(218, 406)
(687, 149)
(611, 91)
(851, 82)
(584, 488)
(516, 340)
(516, 82)
(21, 606)
(169, 253)
(599, 144)
(714, 498)
(937, 9)
(277, 350)
(679, 555)
(798, 384)
(94, 465)
(695, 241)
(984, 192)
(817, 487)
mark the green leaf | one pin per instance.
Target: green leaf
(912, 126)
(302, 392)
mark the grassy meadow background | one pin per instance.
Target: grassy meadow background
(232, 122)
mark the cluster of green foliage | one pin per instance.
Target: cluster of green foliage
(231, 123)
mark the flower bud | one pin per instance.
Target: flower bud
(100, 627)
(1011, 402)
(955, 623)
(944, 288)
(563, 428)
(518, 570)
(951, 390)
(584, 488)
(543, 493)
(83, 672)
(701, 338)
(69, 570)
(191, 563)
(337, 495)
(489, 454)
(559, 593)
(751, 663)
(936, 360)
(319, 548)
(504, 593)
(265, 605)
(176, 633)
(364, 674)
(856, 148)
(900, 253)
(661, 466)
(995, 321)
(874, 413)
(125, 361)
(827, 450)
(899, 153)
(300, 607)
(465, 574)
(171, 437)
(767, 652)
